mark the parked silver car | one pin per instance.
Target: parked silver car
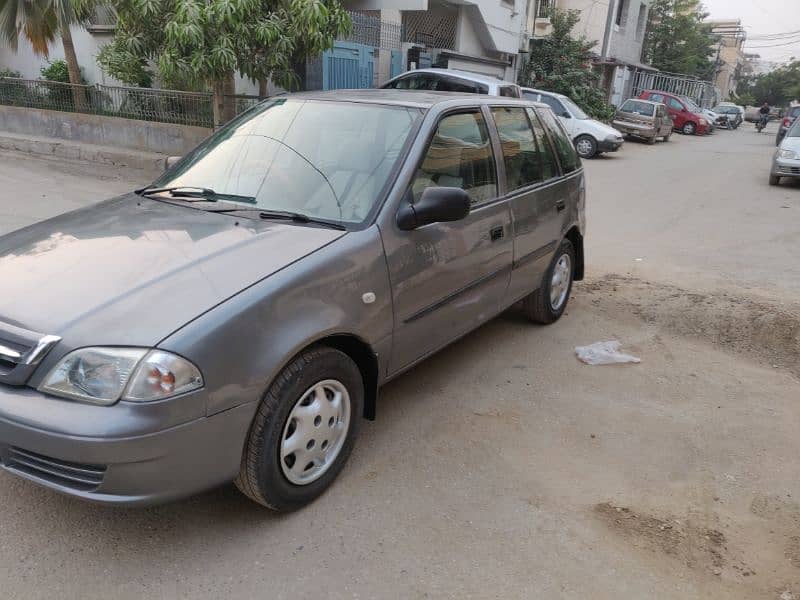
(786, 161)
(234, 320)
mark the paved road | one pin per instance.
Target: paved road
(502, 467)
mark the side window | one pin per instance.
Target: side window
(456, 85)
(675, 104)
(566, 151)
(459, 155)
(531, 96)
(520, 153)
(509, 91)
(660, 110)
(549, 164)
(415, 82)
(656, 97)
(555, 104)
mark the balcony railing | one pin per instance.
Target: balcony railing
(544, 8)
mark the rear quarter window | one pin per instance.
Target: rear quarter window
(510, 91)
(564, 149)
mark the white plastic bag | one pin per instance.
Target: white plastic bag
(604, 353)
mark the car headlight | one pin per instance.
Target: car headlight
(703, 122)
(790, 154)
(106, 375)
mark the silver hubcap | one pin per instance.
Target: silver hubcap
(584, 147)
(559, 284)
(315, 432)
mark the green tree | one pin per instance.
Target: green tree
(40, 22)
(561, 63)
(677, 40)
(206, 42)
(778, 87)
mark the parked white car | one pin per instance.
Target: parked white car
(452, 80)
(591, 137)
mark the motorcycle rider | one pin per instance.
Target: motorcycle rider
(764, 116)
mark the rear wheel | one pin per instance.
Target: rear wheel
(547, 304)
(303, 430)
(666, 137)
(689, 128)
(651, 140)
(585, 146)
(774, 180)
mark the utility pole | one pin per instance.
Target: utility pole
(612, 10)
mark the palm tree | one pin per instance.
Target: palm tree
(40, 21)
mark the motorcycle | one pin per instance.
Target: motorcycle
(762, 123)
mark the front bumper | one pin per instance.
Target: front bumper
(782, 167)
(131, 467)
(610, 144)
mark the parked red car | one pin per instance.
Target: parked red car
(684, 120)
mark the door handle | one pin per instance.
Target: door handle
(496, 233)
(560, 205)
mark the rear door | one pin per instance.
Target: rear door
(663, 122)
(532, 190)
(447, 278)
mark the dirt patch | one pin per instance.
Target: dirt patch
(695, 546)
(769, 332)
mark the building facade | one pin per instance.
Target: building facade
(616, 27)
(730, 59)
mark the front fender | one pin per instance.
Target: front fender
(242, 344)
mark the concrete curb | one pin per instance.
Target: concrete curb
(105, 155)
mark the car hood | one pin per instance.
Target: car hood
(602, 130)
(131, 270)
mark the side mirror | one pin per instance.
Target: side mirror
(436, 205)
(566, 115)
(171, 160)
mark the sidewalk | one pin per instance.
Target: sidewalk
(149, 162)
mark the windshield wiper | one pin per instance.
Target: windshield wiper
(201, 194)
(298, 218)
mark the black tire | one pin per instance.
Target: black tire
(651, 141)
(666, 137)
(589, 145)
(689, 128)
(774, 180)
(261, 477)
(537, 306)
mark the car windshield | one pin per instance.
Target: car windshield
(574, 108)
(639, 108)
(327, 160)
(690, 103)
(726, 110)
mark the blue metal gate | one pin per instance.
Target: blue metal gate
(347, 66)
(396, 66)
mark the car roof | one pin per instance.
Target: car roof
(476, 77)
(410, 98)
(549, 93)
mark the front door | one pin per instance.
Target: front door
(447, 278)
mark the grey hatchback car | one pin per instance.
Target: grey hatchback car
(235, 320)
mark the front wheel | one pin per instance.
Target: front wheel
(689, 128)
(586, 146)
(547, 304)
(774, 180)
(303, 431)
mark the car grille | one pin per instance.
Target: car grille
(789, 170)
(20, 352)
(72, 475)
